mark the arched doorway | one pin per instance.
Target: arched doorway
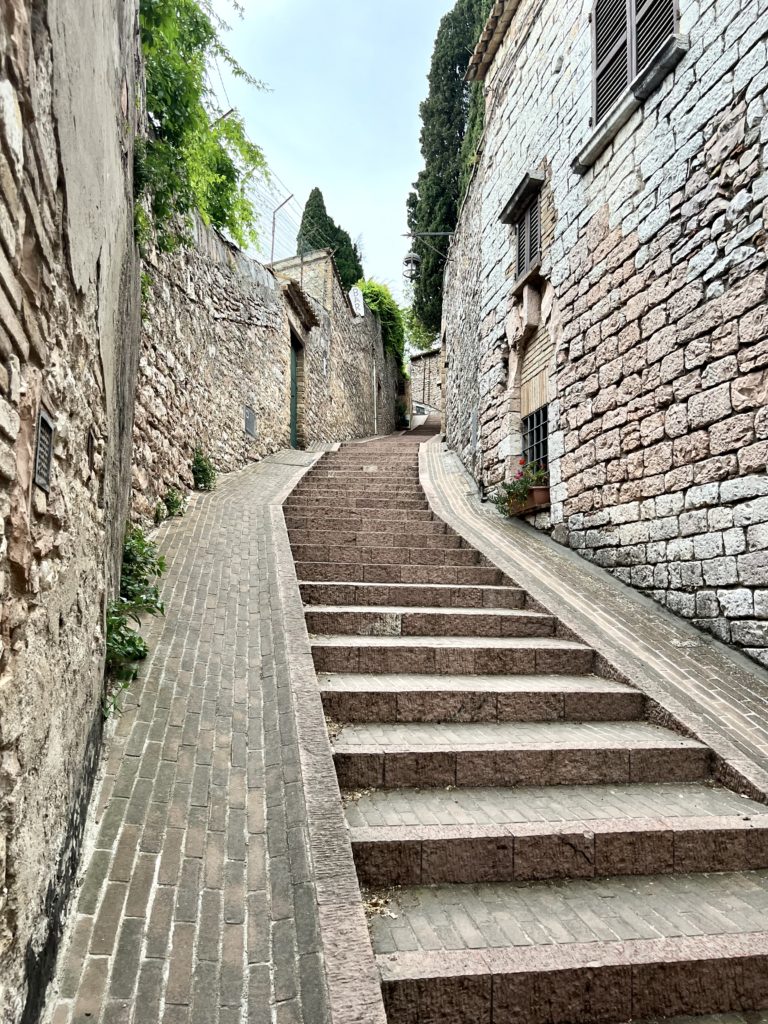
(297, 390)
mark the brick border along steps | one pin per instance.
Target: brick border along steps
(544, 852)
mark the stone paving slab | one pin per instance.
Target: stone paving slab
(621, 909)
(499, 806)
(705, 688)
(200, 900)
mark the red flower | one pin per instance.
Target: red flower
(521, 462)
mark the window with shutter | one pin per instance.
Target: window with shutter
(528, 227)
(626, 36)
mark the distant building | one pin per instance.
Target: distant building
(426, 382)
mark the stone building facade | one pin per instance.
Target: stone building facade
(607, 287)
(426, 369)
(225, 343)
(69, 321)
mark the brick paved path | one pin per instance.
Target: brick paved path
(542, 847)
(197, 905)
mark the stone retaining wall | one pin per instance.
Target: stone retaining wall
(426, 379)
(652, 286)
(69, 323)
(217, 340)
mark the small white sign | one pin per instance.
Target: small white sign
(358, 302)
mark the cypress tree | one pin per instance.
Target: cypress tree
(319, 231)
(448, 150)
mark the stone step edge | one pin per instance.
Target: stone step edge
(337, 682)
(396, 609)
(483, 643)
(600, 981)
(546, 850)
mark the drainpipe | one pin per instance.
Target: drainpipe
(375, 402)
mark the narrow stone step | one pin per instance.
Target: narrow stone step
(386, 555)
(365, 538)
(410, 595)
(609, 950)
(458, 655)
(388, 620)
(430, 837)
(343, 493)
(514, 754)
(451, 698)
(355, 572)
(754, 1017)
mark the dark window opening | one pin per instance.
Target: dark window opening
(529, 236)
(626, 35)
(535, 438)
(250, 421)
(44, 452)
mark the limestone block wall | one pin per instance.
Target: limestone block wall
(653, 289)
(217, 338)
(69, 321)
(352, 382)
(426, 379)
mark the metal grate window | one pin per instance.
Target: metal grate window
(250, 421)
(626, 35)
(529, 236)
(535, 437)
(44, 452)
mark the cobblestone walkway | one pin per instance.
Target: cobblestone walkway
(196, 905)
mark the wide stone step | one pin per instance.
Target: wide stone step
(343, 493)
(430, 837)
(362, 524)
(754, 1017)
(412, 595)
(360, 572)
(459, 655)
(515, 754)
(401, 515)
(450, 698)
(386, 555)
(576, 952)
(365, 538)
(408, 621)
(304, 501)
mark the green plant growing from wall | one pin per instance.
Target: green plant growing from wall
(380, 299)
(196, 155)
(175, 503)
(139, 595)
(203, 471)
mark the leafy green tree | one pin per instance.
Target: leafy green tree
(319, 231)
(196, 156)
(448, 149)
(416, 334)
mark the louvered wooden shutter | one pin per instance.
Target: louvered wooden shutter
(654, 23)
(610, 30)
(534, 230)
(522, 244)
(529, 236)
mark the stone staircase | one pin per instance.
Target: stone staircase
(533, 848)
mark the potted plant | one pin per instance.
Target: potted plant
(527, 493)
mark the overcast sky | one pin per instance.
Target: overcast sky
(346, 80)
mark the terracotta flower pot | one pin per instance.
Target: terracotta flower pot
(537, 500)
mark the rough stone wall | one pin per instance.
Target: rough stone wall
(68, 344)
(426, 380)
(352, 383)
(215, 340)
(653, 288)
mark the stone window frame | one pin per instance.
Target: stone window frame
(641, 84)
(515, 213)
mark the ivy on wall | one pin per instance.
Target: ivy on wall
(380, 299)
(196, 155)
